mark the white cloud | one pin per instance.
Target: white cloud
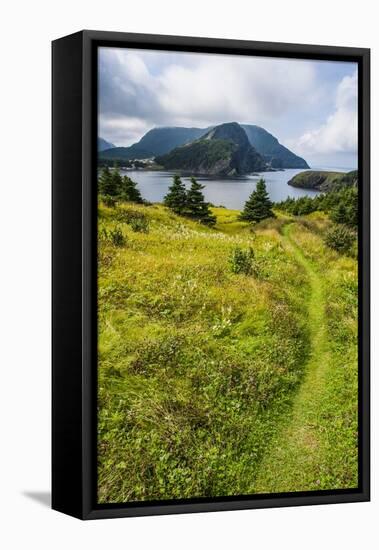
(141, 89)
(339, 134)
(221, 88)
(121, 129)
(197, 90)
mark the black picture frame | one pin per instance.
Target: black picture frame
(74, 332)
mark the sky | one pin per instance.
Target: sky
(310, 106)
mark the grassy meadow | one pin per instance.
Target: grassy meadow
(214, 381)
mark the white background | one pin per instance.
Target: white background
(26, 31)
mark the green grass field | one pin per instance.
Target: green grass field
(215, 383)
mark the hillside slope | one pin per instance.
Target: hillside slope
(103, 145)
(200, 368)
(162, 140)
(224, 150)
(274, 153)
(324, 180)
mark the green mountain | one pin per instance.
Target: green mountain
(160, 141)
(224, 150)
(157, 141)
(274, 153)
(102, 144)
(324, 181)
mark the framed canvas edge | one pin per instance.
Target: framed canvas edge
(88, 506)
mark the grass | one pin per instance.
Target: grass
(205, 373)
(316, 447)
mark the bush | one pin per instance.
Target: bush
(272, 223)
(109, 201)
(340, 238)
(304, 206)
(310, 225)
(145, 202)
(137, 220)
(102, 234)
(243, 261)
(341, 204)
(140, 224)
(116, 236)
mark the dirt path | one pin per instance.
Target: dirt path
(293, 461)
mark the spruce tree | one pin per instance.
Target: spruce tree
(107, 183)
(339, 214)
(352, 215)
(117, 180)
(176, 198)
(129, 191)
(197, 208)
(258, 206)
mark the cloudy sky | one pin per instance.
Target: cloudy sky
(310, 106)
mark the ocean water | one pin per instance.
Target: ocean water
(229, 192)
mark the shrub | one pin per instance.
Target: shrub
(341, 204)
(340, 238)
(116, 236)
(145, 202)
(304, 206)
(243, 261)
(272, 223)
(138, 221)
(140, 224)
(310, 225)
(103, 234)
(109, 201)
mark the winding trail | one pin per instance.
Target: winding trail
(293, 459)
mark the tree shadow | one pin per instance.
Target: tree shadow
(41, 497)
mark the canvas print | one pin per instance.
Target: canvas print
(227, 275)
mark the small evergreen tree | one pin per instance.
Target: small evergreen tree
(176, 198)
(340, 238)
(107, 183)
(197, 208)
(339, 214)
(258, 207)
(243, 261)
(129, 191)
(352, 215)
(117, 180)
